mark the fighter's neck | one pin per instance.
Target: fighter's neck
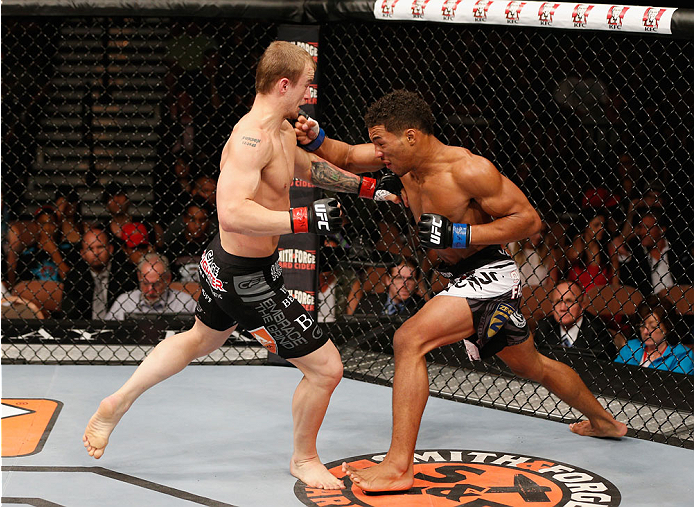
(268, 111)
(430, 157)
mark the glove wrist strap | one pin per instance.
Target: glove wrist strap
(316, 143)
(299, 219)
(367, 187)
(460, 235)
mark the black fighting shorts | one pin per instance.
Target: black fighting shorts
(251, 292)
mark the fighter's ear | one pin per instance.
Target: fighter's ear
(411, 136)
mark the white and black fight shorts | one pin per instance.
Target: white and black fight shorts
(251, 292)
(490, 281)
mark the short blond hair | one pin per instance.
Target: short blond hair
(281, 59)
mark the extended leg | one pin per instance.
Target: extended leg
(166, 359)
(563, 381)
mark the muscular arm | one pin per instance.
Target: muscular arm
(354, 158)
(245, 156)
(515, 218)
(323, 174)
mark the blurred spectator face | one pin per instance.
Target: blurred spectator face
(66, 208)
(567, 305)
(196, 222)
(154, 280)
(403, 283)
(652, 331)
(649, 231)
(118, 204)
(181, 169)
(205, 188)
(135, 240)
(47, 224)
(597, 227)
(96, 250)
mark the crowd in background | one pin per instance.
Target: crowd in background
(611, 223)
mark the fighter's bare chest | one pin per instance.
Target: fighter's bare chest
(428, 197)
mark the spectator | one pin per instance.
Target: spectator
(33, 250)
(652, 350)
(70, 225)
(92, 286)
(589, 254)
(117, 204)
(154, 295)
(185, 250)
(571, 326)
(173, 188)
(400, 296)
(135, 241)
(204, 189)
(536, 260)
(646, 259)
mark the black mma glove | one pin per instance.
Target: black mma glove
(323, 216)
(379, 189)
(436, 231)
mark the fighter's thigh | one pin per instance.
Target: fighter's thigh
(213, 337)
(443, 320)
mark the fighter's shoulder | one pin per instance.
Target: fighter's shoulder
(471, 165)
(249, 140)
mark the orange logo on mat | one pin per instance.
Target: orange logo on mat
(26, 424)
(456, 478)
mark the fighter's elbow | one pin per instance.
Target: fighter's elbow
(230, 219)
(534, 223)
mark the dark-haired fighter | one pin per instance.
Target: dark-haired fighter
(465, 210)
(241, 279)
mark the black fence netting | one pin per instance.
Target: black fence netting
(111, 140)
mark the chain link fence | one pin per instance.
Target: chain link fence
(113, 130)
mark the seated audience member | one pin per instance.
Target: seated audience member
(400, 296)
(135, 241)
(117, 204)
(154, 297)
(571, 326)
(95, 282)
(589, 254)
(536, 261)
(185, 250)
(652, 349)
(70, 225)
(204, 189)
(33, 249)
(647, 259)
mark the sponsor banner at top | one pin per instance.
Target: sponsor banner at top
(571, 15)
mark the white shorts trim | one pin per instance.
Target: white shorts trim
(486, 282)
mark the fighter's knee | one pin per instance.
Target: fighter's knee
(331, 374)
(407, 339)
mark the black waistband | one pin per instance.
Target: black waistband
(485, 256)
(222, 255)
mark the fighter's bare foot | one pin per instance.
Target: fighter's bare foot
(379, 478)
(314, 474)
(101, 425)
(614, 430)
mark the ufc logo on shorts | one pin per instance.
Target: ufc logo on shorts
(322, 215)
(436, 231)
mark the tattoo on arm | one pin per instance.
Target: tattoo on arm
(250, 141)
(329, 177)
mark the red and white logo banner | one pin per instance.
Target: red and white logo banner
(572, 15)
